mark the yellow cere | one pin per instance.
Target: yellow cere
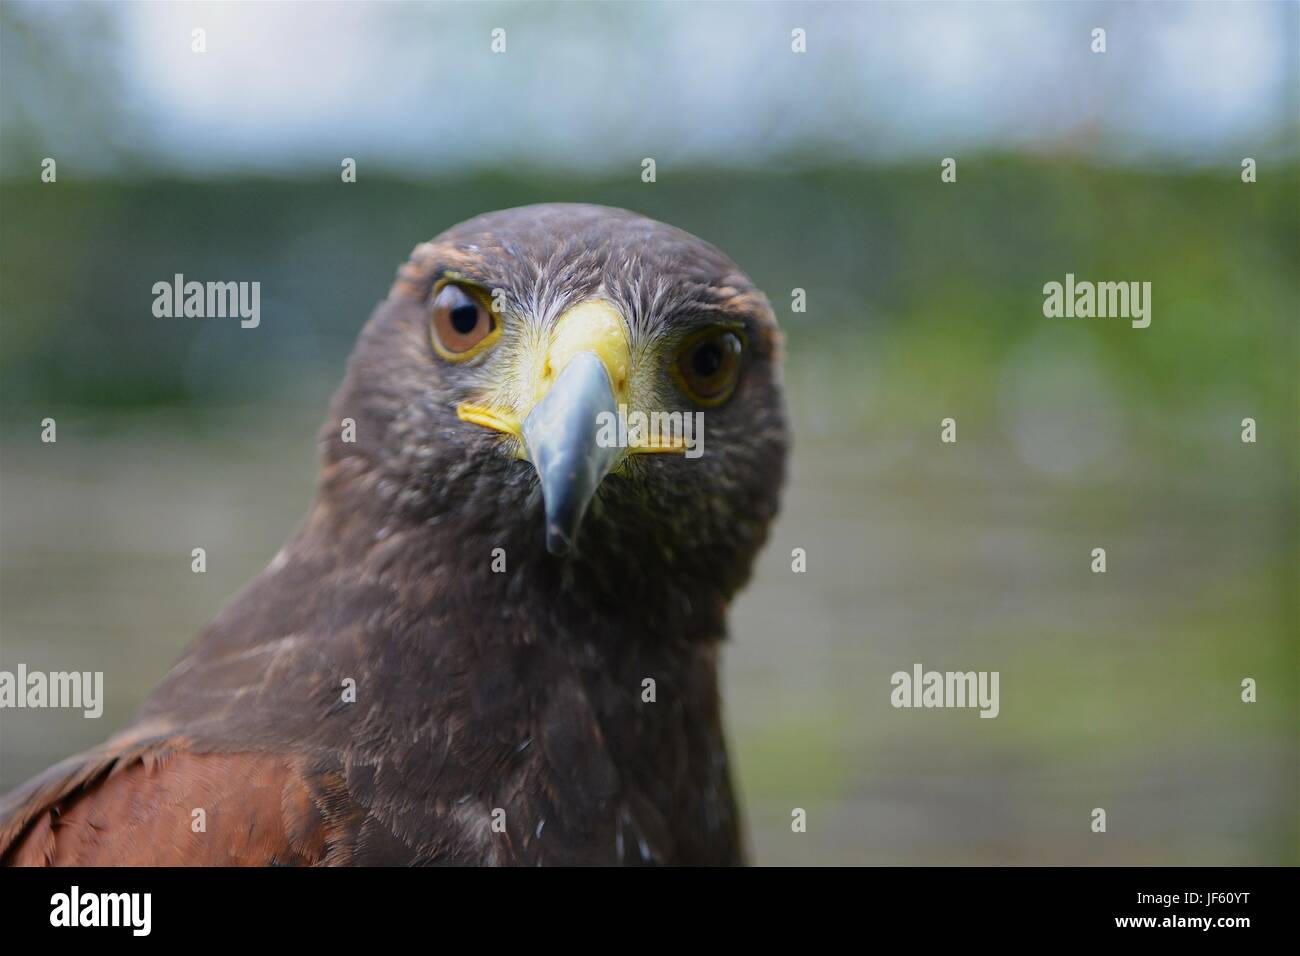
(594, 326)
(590, 326)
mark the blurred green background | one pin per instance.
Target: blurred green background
(1118, 690)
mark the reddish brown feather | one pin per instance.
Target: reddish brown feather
(258, 811)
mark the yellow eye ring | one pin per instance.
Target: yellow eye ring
(462, 322)
(709, 362)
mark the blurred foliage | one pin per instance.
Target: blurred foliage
(941, 281)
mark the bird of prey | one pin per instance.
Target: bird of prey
(494, 638)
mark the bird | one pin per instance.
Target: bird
(494, 639)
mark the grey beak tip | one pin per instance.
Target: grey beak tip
(557, 542)
(561, 434)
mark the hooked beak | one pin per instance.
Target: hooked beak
(562, 436)
(573, 392)
(579, 378)
(586, 365)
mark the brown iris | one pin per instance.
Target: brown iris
(462, 324)
(709, 365)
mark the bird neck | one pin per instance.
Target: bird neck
(472, 568)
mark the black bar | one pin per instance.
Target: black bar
(981, 905)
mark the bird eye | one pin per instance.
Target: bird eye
(462, 325)
(709, 366)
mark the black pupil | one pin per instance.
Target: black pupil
(707, 360)
(464, 318)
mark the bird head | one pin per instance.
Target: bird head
(578, 386)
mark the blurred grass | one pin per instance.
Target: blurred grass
(1118, 690)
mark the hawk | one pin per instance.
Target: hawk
(494, 638)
